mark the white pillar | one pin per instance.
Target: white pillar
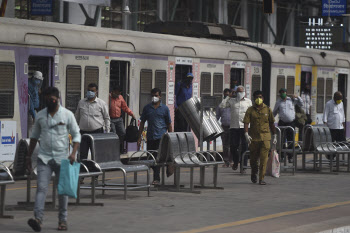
(290, 39)
(160, 9)
(244, 14)
(125, 16)
(10, 9)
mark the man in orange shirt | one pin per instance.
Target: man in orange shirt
(116, 105)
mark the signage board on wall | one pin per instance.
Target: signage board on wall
(7, 140)
(333, 7)
(41, 7)
(184, 61)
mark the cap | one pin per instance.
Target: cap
(38, 75)
(283, 89)
(189, 75)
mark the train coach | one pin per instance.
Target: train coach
(72, 56)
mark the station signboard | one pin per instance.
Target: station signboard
(333, 7)
(41, 7)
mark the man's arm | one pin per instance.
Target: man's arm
(170, 128)
(275, 109)
(32, 146)
(325, 114)
(246, 127)
(77, 113)
(126, 108)
(76, 137)
(106, 117)
(299, 101)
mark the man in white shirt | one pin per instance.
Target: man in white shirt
(334, 117)
(238, 106)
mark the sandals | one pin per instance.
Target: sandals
(35, 224)
(62, 226)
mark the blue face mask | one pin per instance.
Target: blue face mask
(90, 95)
(38, 82)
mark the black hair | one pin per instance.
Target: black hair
(117, 88)
(52, 91)
(92, 85)
(227, 90)
(155, 90)
(258, 92)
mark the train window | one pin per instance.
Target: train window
(329, 89)
(73, 87)
(160, 82)
(281, 83)
(237, 77)
(7, 90)
(91, 76)
(145, 88)
(320, 95)
(218, 87)
(256, 84)
(290, 85)
(205, 84)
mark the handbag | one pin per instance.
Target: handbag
(273, 164)
(132, 132)
(69, 178)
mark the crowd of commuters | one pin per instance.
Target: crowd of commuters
(246, 124)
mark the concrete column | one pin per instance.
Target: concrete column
(272, 19)
(125, 17)
(244, 14)
(160, 9)
(198, 11)
(290, 39)
(10, 9)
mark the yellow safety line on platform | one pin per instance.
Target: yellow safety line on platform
(267, 217)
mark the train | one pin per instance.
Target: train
(72, 56)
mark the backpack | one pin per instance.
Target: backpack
(132, 132)
(300, 116)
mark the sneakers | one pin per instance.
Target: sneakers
(262, 182)
(234, 167)
(253, 178)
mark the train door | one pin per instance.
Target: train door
(44, 65)
(342, 87)
(306, 79)
(237, 77)
(180, 73)
(119, 76)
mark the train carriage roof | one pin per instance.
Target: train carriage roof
(304, 56)
(47, 34)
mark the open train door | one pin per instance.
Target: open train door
(44, 65)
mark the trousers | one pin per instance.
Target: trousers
(225, 137)
(237, 138)
(43, 180)
(154, 145)
(259, 153)
(117, 127)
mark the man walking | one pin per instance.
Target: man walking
(261, 123)
(285, 108)
(159, 122)
(116, 105)
(307, 104)
(52, 126)
(224, 115)
(183, 92)
(238, 105)
(34, 85)
(334, 117)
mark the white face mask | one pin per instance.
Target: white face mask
(155, 99)
(240, 95)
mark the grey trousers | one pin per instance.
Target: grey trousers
(43, 180)
(117, 127)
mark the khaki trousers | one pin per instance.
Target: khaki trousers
(259, 152)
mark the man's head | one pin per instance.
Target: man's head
(307, 88)
(156, 94)
(283, 93)
(52, 96)
(338, 97)
(258, 97)
(92, 91)
(234, 82)
(227, 92)
(116, 91)
(189, 79)
(38, 78)
(240, 92)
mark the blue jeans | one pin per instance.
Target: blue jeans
(43, 180)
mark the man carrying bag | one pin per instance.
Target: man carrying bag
(52, 126)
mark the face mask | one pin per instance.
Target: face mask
(90, 95)
(283, 95)
(37, 82)
(240, 95)
(155, 99)
(338, 101)
(258, 101)
(51, 105)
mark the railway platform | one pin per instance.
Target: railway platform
(305, 202)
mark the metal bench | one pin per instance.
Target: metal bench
(105, 155)
(5, 179)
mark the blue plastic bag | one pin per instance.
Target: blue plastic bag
(69, 177)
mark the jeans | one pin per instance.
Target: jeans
(225, 137)
(117, 127)
(43, 180)
(237, 138)
(154, 145)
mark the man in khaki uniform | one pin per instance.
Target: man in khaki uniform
(261, 120)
